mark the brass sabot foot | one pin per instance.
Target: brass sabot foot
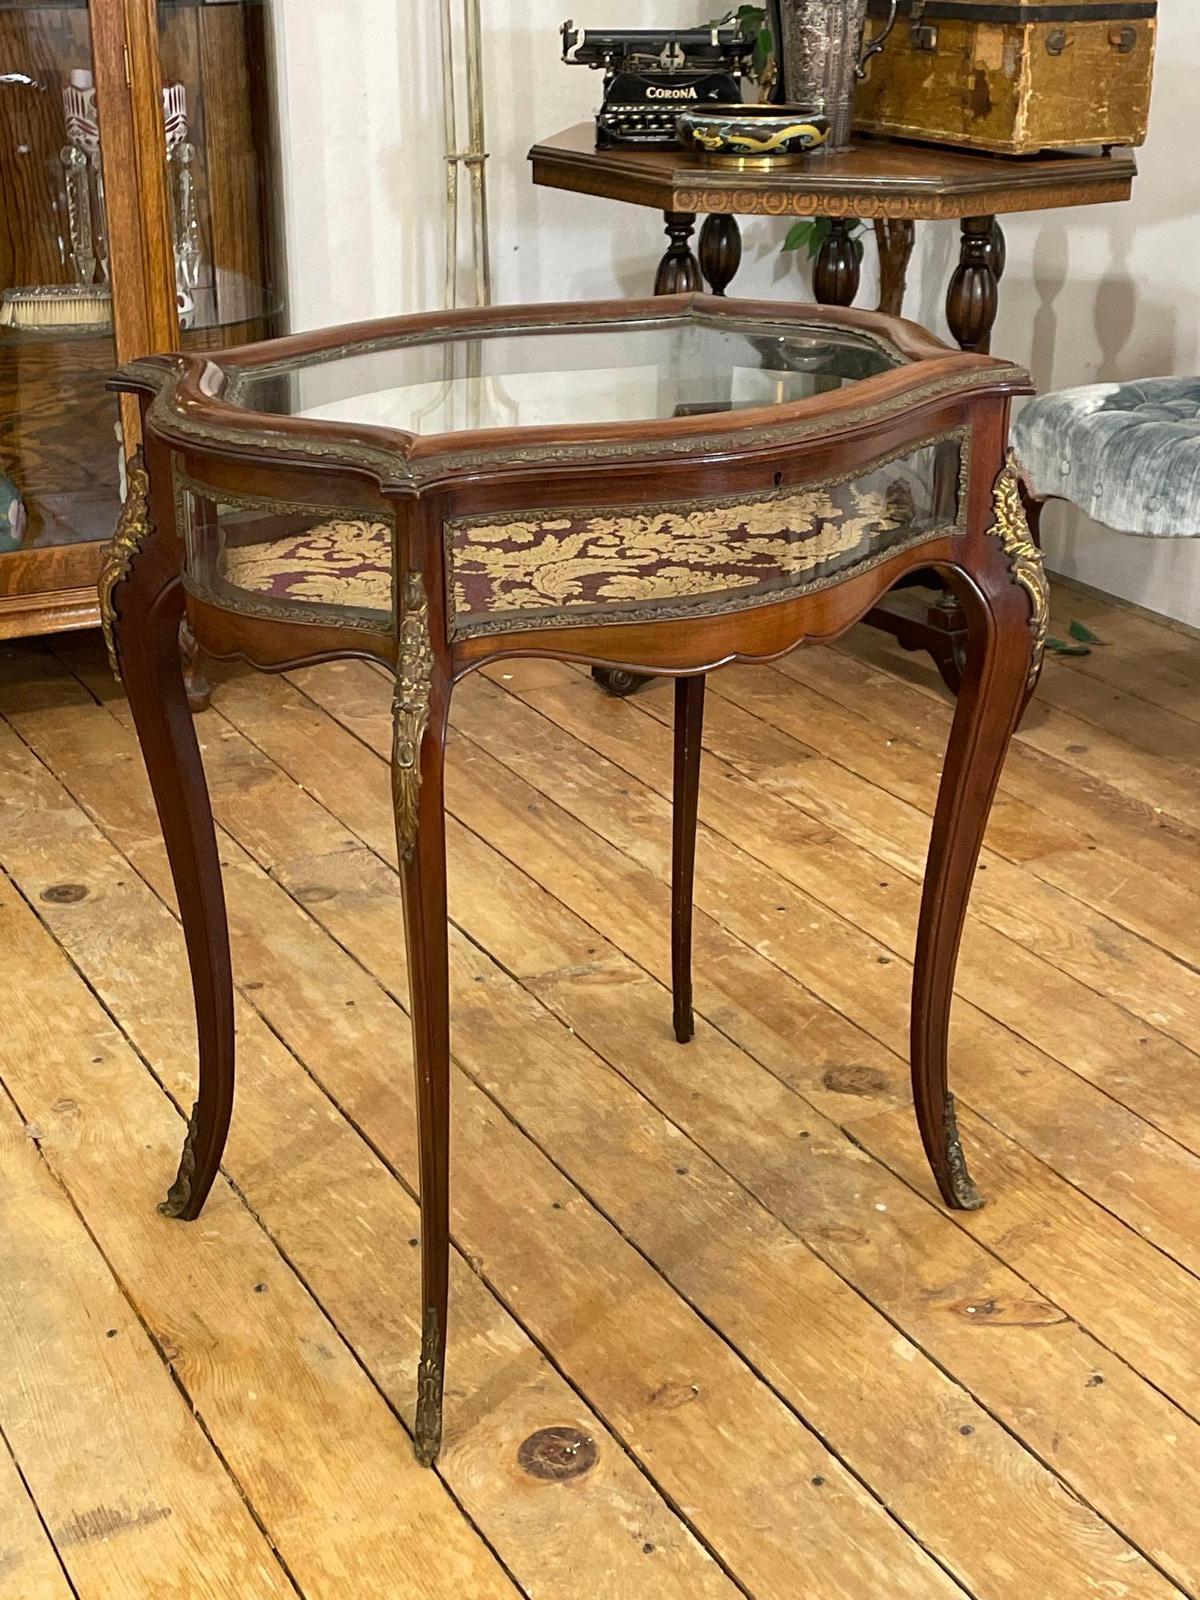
(427, 1436)
(964, 1195)
(180, 1193)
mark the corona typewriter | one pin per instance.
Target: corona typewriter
(651, 76)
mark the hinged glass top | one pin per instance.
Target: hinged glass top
(644, 370)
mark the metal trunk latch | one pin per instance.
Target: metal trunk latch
(922, 35)
(1122, 39)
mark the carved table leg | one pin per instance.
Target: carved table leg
(141, 602)
(997, 249)
(720, 250)
(679, 271)
(839, 266)
(895, 241)
(199, 690)
(418, 757)
(1007, 607)
(689, 731)
(974, 295)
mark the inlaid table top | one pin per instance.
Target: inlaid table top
(670, 485)
(874, 177)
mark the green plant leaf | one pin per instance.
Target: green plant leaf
(764, 49)
(750, 19)
(818, 232)
(811, 234)
(1084, 634)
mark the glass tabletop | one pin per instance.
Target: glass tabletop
(591, 373)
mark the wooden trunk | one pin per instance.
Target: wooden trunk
(1012, 76)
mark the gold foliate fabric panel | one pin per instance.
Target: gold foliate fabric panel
(607, 565)
(290, 562)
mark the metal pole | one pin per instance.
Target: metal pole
(450, 125)
(478, 156)
(473, 156)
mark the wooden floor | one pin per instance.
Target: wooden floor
(723, 1265)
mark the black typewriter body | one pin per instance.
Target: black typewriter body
(651, 76)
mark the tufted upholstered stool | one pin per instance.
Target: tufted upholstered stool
(1128, 454)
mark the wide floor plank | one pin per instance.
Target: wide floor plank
(312, 1444)
(1137, 1004)
(634, 1171)
(131, 1490)
(640, 1342)
(320, 761)
(343, 1221)
(724, 1265)
(30, 1568)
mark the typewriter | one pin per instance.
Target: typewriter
(651, 76)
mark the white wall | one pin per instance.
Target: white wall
(1099, 293)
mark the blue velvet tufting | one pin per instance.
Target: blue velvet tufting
(1128, 454)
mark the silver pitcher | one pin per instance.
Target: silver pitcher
(824, 59)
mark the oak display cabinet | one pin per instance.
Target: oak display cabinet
(138, 169)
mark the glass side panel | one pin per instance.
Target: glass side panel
(554, 568)
(59, 454)
(295, 563)
(590, 374)
(223, 184)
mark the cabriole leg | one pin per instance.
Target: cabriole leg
(141, 597)
(689, 732)
(1004, 650)
(418, 762)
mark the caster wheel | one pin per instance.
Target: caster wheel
(616, 682)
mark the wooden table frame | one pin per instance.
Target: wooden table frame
(891, 183)
(192, 427)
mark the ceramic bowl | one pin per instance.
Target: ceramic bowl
(752, 135)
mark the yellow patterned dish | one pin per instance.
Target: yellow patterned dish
(758, 135)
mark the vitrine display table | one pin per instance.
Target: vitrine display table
(665, 486)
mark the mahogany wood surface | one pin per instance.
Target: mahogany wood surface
(888, 181)
(422, 484)
(689, 734)
(152, 612)
(871, 178)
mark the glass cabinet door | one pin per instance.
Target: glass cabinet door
(138, 210)
(59, 447)
(219, 116)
